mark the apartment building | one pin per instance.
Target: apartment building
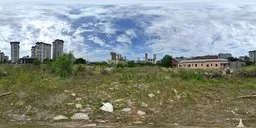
(204, 64)
(57, 49)
(15, 52)
(224, 55)
(252, 56)
(116, 58)
(41, 51)
(150, 60)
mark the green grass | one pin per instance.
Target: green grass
(181, 96)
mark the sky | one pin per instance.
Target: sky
(93, 28)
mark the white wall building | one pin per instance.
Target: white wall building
(252, 56)
(15, 52)
(57, 49)
(41, 51)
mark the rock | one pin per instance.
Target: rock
(126, 109)
(141, 112)
(107, 107)
(86, 110)
(176, 124)
(143, 104)
(60, 117)
(73, 94)
(80, 116)
(79, 106)
(90, 125)
(66, 91)
(151, 95)
(78, 99)
(119, 100)
(240, 125)
(70, 104)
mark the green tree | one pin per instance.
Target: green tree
(130, 64)
(166, 61)
(80, 61)
(63, 65)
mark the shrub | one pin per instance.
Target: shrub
(63, 65)
(37, 62)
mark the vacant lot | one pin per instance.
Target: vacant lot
(168, 97)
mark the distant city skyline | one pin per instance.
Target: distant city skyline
(93, 29)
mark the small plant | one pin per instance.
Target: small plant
(37, 62)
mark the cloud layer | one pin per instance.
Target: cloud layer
(92, 31)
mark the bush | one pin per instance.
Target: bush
(63, 65)
(37, 62)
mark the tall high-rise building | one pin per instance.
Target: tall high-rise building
(41, 51)
(2, 57)
(252, 56)
(57, 49)
(15, 51)
(33, 52)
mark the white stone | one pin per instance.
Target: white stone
(141, 112)
(78, 99)
(107, 107)
(119, 100)
(80, 116)
(90, 125)
(70, 104)
(240, 125)
(126, 109)
(60, 117)
(73, 94)
(151, 95)
(79, 106)
(66, 91)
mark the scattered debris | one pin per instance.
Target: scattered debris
(126, 109)
(240, 125)
(60, 117)
(78, 99)
(4, 94)
(143, 104)
(80, 116)
(141, 112)
(73, 94)
(70, 104)
(79, 106)
(247, 97)
(151, 95)
(90, 125)
(107, 107)
(118, 100)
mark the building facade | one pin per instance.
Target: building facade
(150, 60)
(116, 58)
(252, 56)
(224, 55)
(57, 50)
(41, 51)
(15, 52)
(2, 57)
(204, 64)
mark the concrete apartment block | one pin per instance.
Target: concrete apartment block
(57, 49)
(15, 52)
(252, 56)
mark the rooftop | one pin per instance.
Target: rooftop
(204, 60)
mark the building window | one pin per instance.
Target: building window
(207, 65)
(195, 65)
(189, 65)
(202, 65)
(216, 65)
(211, 64)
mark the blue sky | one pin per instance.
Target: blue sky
(91, 29)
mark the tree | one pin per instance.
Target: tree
(166, 61)
(130, 64)
(63, 65)
(80, 61)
